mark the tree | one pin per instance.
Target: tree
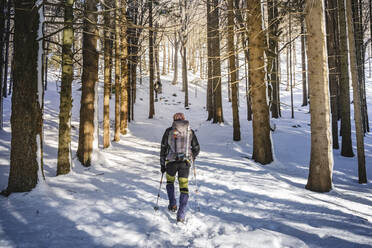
(107, 73)
(151, 62)
(321, 160)
(26, 117)
(124, 71)
(136, 16)
(6, 55)
(357, 100)
(65, 106)
(262, 150)
(233, 75)
(273, 55)
(332, 49)
(183, 34)
(210, 91)
(117, 70)
(346, 145)
(89, 80)
(216, 63)
(175, 64)
(2, 31)
(303, 60)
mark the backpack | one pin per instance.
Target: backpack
(179, 141)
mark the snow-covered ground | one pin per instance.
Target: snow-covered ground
(242, 203)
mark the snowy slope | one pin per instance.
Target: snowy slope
(242, 204)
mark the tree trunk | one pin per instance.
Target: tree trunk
(124, 71)
(2, 21)
(346, 146)
(107, 75)
(290, 64)
(321, 160)
(88, 80)
(169, 58)
(64, 138)
(175, 64)
(156, 53)
(164, 69)
(184, 76)
(332, 26)
(26, 117)
(262, 149)
(117, 70)
(273, 55)
(360, 55)
(201, 54)
(6, 59)
(362, 174)
(303, 60)
(233, 75)
(210, 105)
(216, 64)
(151, 63)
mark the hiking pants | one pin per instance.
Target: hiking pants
(183, 169)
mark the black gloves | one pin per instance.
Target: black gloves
(163, 169)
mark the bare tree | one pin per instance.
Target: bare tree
(262, 149)
(321, 159)
(89, 80)
(65, 106)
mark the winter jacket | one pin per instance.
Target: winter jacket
(195, 148)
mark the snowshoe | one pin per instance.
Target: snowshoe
(172, 208)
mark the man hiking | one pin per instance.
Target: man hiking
(179, 148)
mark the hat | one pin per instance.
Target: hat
(178, 116)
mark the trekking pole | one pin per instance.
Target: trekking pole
(197, 189)
(156, 207)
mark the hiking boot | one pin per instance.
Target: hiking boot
(172, 208)
(180, 220)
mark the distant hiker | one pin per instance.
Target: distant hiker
(179, 148)
(158, 89)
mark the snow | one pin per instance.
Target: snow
(242, 203)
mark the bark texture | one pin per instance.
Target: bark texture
(88, 80)
(233, 75)
(262, 149)
(65, 106)
(346, 145)
(107, 75)
(26, 117)
(321, 158)
(362, 174)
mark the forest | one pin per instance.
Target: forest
(277, 92)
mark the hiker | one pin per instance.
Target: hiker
(158, 89)
(179, 148)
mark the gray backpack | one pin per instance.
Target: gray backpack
(179, 141)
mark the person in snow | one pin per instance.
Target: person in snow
(179, 148)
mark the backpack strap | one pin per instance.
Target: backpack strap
(187, 141)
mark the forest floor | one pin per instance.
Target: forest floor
(242, 203)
